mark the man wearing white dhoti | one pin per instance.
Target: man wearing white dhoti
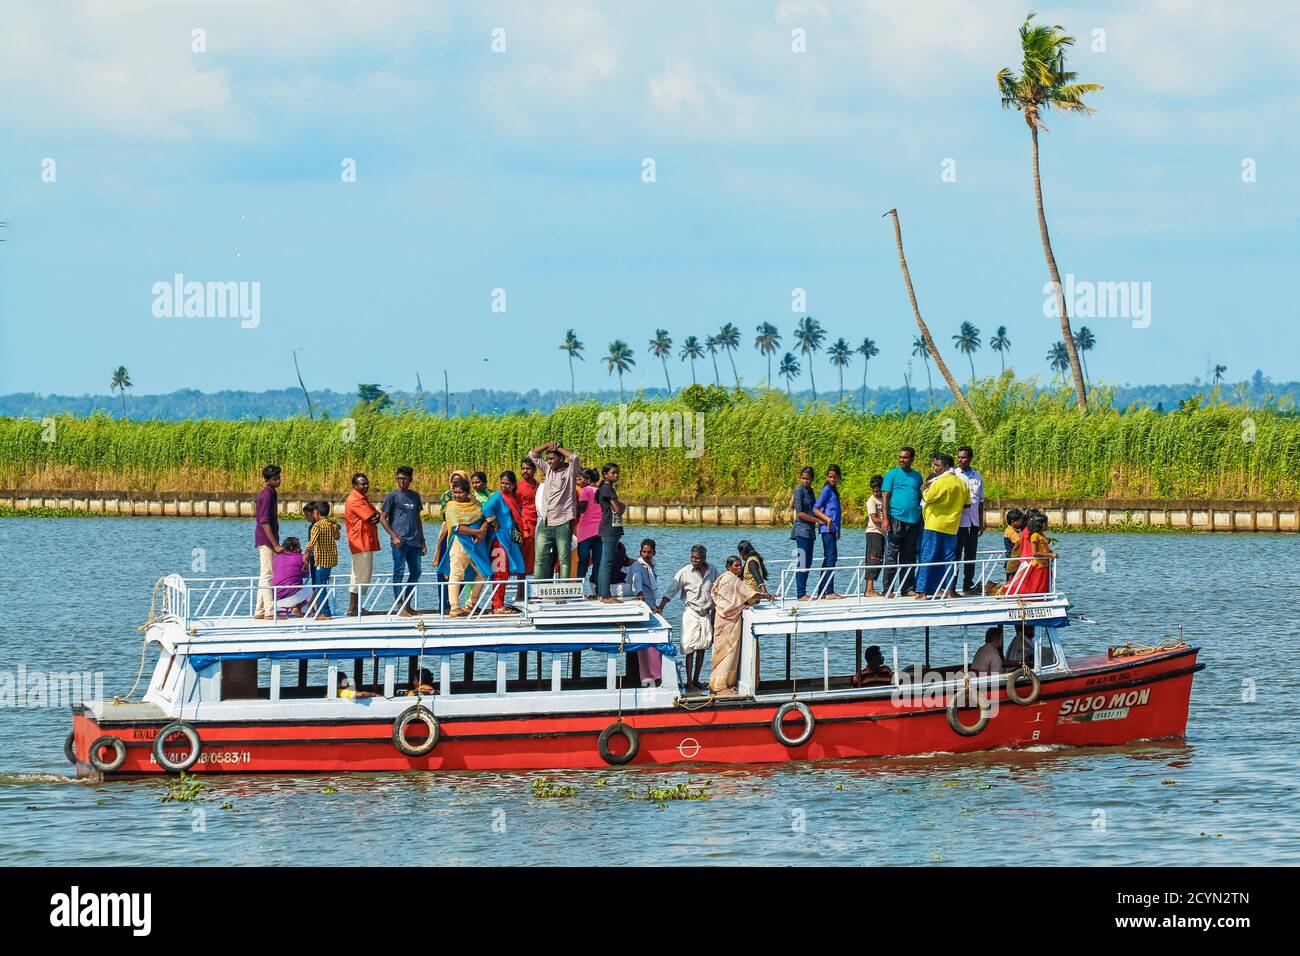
(695, 583)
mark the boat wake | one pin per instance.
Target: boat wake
(32, 779)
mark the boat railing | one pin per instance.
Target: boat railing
(224, 599)
(988, 568)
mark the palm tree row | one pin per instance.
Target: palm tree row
(810, 337)
(1042, 83)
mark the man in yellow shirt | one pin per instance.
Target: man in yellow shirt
(943, 496)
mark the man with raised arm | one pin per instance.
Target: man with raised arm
(556, 507)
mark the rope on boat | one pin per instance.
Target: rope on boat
(707, 701)
(622, 643)
(794, 654)
(1138, 649)
(419, 660)
(144, 642)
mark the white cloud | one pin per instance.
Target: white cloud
(127, 67)
(559, 57)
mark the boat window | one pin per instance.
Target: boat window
(531, 672)
(238, 680)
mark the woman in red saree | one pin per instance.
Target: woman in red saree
(1035, 574)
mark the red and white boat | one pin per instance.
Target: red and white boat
(543, 689)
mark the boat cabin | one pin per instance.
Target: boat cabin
(554, 650)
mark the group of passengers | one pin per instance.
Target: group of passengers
(922, 533)
(525, 527)
(554, 518)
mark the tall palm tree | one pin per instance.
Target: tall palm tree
(1218, 373)
(920, 348)
(619, 360)
(925, 330)
(121, 382)
(968, 340)
(711, 344)
(691, 349)
(810, 335)
(574, 348)
(841, 354)
(1001, 343)
(1044, 82)
(1058, 359)
(788, 369)
(767, 342)
(1084, 340)
(661, 346)
(729, 338)
(868, 351)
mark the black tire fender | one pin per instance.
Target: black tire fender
(70, 747)
(409, 716)
(809, 722)
(192, 738)
(628, 733)
(119, 753)
(1035, 686)
(954, 717)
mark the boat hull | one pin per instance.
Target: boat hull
(1098, 703)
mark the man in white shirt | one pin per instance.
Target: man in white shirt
(695, 583)
(972, 519)
(643, 584)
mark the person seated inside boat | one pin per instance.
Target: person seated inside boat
(288, 572)
(876, 672)
(1021, 649)
(988, 659)
(348, 692)
(426, 685)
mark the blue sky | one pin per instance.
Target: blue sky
(522, 170)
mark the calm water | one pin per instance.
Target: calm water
(72, 591)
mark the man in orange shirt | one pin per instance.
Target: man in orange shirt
(361, 518)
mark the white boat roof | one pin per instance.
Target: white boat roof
(873, 614)
(193, 623)
(402, 637)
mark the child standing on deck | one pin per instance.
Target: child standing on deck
(875, 535)
(1011, 540)
(322, 554)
